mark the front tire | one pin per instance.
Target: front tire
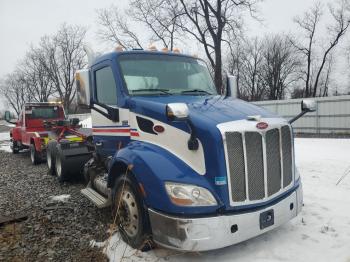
(34, 155)
(14, 147)
(129, 213)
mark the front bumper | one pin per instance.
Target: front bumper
(207, 233)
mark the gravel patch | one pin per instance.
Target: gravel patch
(55, 230)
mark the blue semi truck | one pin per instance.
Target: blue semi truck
(181, 165)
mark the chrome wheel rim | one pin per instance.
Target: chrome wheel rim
(58, 167)
(32, 154)
(49, 160)
(128, 213)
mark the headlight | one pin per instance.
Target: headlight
(189, 195)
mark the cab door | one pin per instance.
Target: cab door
(109, 134)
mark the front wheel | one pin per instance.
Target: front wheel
(129, 213)
(14, 147)
(34, 155)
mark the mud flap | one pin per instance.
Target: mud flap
(73, 156)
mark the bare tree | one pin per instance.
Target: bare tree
(36, 75)
(212, 23)
(325, 81)
(280, 66)
(341, 16)
(160, 17)
(15, 91)
(309, 23)
(251, 82)
(115, 29)
(61, 56)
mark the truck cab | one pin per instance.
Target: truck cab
(30, 130)
(182, 165)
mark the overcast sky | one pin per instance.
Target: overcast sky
(24, 22)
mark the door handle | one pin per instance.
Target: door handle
(98, 143)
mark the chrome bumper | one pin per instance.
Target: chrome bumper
(200, 234)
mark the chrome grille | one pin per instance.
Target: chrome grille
(237, 170)
(287, 156)
(259, 163)
(273, 161)
(255, 164)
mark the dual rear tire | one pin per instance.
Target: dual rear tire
(63, 164)
(50, 157)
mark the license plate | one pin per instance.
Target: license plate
(267, 219)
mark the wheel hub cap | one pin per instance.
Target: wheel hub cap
(128, 214)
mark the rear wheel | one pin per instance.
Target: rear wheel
(69, 164)
(34, 155)
(60, 165)
(51, 157)
(129, 213)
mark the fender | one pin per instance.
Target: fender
(37, 143)
(152, 166)
(15, 133)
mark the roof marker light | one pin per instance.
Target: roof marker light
(152, 48)
(119, 48)
(176, 50)
(165, 49)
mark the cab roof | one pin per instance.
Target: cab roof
(43, 104)
(115, 54)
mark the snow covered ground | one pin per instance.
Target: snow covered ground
(320, 233)
(5, 141)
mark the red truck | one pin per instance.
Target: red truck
(44, 129)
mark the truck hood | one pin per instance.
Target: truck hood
(205, 114)
(206, 110)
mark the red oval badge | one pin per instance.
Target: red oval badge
(262, 125)
(158, 128)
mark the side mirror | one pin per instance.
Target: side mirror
(308, 105)
(83, 87)
(7, 116)
(177, 111)
(232, 90)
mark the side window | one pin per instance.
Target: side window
(106, 89)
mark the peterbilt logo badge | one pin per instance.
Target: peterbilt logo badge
(262, 125)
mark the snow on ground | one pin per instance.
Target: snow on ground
(4, 123)
(5, 142)
(60, 198)
(320, 233)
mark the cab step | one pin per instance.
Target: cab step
(99, 200)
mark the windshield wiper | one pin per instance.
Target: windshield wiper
(196, 91)
(165, 91)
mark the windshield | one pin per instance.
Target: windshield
(41, 112)
(154, 74)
